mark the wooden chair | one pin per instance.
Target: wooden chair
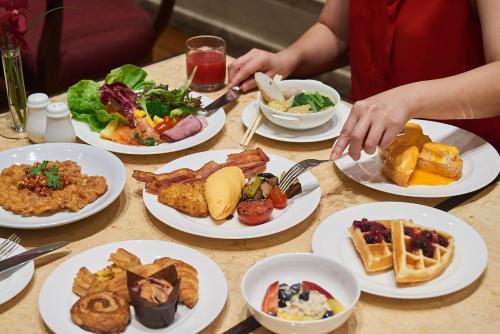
(87, 39)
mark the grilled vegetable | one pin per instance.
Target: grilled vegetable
(252, 186)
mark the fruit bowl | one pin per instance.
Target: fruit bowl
(299, 267)
(301, 121)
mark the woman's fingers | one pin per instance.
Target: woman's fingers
(373, 138)
(389, 136)
(358, 136)
(258, 62)
(235, 66)
(344, 137)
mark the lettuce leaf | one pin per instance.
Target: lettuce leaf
(131, 75)
(84, 102)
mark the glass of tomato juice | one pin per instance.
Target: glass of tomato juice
(208, 55)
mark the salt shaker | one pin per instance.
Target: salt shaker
(35, 125)
(59, 128)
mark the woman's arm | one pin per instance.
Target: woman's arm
(315, 51)
(473, 94)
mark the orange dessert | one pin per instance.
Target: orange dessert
(413, 159)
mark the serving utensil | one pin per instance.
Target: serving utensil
(30, 255)
(231, 95)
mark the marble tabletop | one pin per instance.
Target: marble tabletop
(473, 309)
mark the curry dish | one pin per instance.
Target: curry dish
(47, 187)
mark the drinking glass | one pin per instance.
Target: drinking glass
(208, 55)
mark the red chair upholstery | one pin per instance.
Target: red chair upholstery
(95, 37)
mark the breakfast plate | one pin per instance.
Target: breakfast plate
(215, 124)
(327, 131)
(16, 279)
(92, 160)
(481, 164)
(331, 239)
(298, 208)
(56, 296)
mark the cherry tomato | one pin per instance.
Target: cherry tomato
(255, 212)
(168, 123)
(270, 302)
(161, 127)
(278, 198)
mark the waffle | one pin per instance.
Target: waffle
(419, 254)
(375, 252)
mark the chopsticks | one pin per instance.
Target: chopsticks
(250, 324)
(245, 141)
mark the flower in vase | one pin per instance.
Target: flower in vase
(13, 22)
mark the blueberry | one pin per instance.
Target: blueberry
(387, 238)
(328, 314)
(443, 242)
(295, 288)
(284, 294)
(281, 303)
(365, 227)
(427, 235)
(304, 295)
(369, 239)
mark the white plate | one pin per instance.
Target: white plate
(92, 160)
(481, 164)
(56, 297)
(15, 280)
(298, 209)
(332, 240)
(329, 130)
(215, 124)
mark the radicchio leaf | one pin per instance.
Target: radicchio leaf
(122, 96)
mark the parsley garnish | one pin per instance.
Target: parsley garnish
(52, 174)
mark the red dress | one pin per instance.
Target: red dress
(395, 42)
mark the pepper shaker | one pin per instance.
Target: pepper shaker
(59, 128)
(35, 125)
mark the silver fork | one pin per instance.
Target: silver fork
(9, 245)
(300, 168)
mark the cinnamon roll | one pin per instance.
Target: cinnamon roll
(102, 313)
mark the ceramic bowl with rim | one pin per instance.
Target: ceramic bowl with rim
(297, 267)
(301, 121)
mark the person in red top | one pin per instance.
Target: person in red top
(432, 59)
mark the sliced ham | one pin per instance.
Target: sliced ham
(187, 127)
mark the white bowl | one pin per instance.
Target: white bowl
(301, 121)
(297, 267)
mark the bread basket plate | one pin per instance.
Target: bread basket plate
(331, 239)
(298, 208)
(56, 297)
(215, 124)
(481, 164)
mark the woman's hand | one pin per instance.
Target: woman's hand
(242, 69)
(376, 121)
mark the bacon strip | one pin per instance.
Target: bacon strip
(251, 163)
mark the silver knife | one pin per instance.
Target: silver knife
(23, 257)
(229, 96)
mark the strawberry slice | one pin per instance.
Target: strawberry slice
(306, 285)
(270, 302)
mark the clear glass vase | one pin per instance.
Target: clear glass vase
(16, 94)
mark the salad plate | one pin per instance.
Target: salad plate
(481, 164)
(56, 296)
(92, 160)
(331, 239)
(13, 281)
(215, 123)
(267, 129)
(297, 209)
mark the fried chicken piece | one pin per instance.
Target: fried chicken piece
(187, 197)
